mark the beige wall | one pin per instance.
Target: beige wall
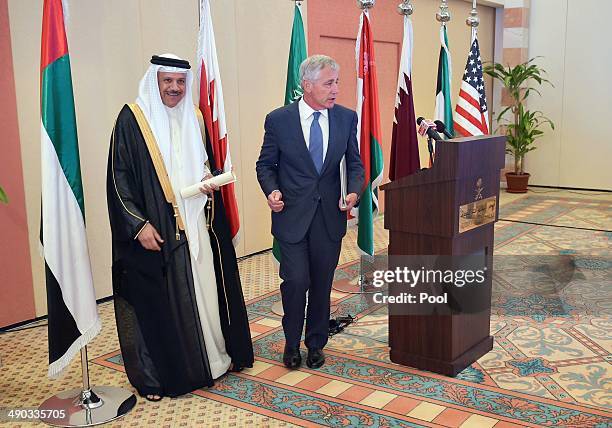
(110, 43)
(571, 37)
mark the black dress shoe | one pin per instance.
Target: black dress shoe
(292, 358)
(316, 358)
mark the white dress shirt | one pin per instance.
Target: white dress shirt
(306, 118)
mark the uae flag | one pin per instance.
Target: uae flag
(293, 88)
(213, 110)
(472, 117)
(71, 302)
(404, 142)
(444, 109)
(368, 135)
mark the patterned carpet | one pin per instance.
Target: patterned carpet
(551, 364)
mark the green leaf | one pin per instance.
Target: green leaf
(522, 127)
(3, 196)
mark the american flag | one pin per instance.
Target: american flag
(471, 113)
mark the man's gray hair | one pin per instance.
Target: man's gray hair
(312, 66)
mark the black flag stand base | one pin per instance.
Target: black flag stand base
(87, 406)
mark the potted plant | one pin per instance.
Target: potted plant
(3, 196)
(523, 127)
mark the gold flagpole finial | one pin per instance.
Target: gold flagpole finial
(473, 20)
(443, 15)
(405, 8)
(365, 4)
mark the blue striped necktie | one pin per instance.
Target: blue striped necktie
(315, 146)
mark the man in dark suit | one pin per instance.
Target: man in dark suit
(299, 172)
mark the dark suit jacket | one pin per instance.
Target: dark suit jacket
(285, 164)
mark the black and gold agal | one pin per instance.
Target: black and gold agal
(170, 62)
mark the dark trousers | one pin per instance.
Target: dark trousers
(308, 265)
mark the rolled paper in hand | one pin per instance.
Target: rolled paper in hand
(219, 180)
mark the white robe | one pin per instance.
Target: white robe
(203, 270)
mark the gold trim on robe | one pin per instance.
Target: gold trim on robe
(210, 216)
(158, 163)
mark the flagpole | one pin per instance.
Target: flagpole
(405, 8)
(86, 406)
(88, 397)
(443, 15)
(473, 20)
(363, 284)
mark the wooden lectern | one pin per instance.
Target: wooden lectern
(449, 209)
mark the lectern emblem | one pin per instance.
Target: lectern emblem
(479, 189)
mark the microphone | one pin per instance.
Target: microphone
(440, 127)
(429, 128)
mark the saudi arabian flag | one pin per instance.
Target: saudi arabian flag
(297, 54)
(368, 135)
(293, 89)
(71, 302)
(444, 108)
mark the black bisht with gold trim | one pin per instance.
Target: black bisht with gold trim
(157, 318)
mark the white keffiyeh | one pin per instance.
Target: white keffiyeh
(192, 153)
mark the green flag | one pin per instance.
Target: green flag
(297, 54)
(444, 108)
(293, 89)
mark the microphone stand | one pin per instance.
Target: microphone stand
(430, 148)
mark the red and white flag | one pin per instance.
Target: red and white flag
(471, 115)
(404, 143)
(213, 110)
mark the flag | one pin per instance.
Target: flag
(213, 110)
(368, 135)
(71, 303)
(404, 142)
(471, 116)
(297, 54)
(293, 88)
(444, 109)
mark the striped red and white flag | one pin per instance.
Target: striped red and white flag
(212, 108)
(471, 114)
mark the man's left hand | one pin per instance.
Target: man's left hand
(208, 189)
(351, 200)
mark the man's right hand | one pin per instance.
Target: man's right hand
(149, 238)
(275, 201)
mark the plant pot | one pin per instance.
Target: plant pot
(517, 183)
